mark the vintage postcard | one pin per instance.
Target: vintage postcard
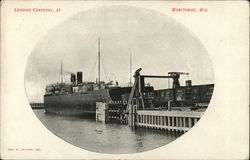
(124, 80)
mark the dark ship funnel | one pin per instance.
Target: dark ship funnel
(73, 78)
(188, 83)
(79, 77)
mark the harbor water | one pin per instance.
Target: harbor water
(104, 138)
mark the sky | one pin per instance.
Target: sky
(158, 44)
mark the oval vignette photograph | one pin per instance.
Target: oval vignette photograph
(119, 79)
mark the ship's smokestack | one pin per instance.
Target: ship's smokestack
(188, 83)
(79, 77)
(73, 78)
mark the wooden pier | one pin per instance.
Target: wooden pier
(166, 120)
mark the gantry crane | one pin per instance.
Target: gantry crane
(136, 95)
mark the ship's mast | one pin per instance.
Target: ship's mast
(61, 72)
(130, 69)
(99, 64)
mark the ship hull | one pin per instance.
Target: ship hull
(83, 104)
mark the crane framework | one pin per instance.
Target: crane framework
(136, 95)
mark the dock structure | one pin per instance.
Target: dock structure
(102, 112)
(167, 120)
(110, 112)
(37, 105)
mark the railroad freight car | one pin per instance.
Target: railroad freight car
(184, 96)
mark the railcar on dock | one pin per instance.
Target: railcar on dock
(186, 96)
